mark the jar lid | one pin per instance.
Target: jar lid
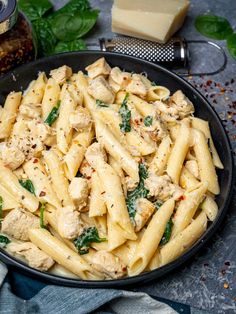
(8, 14)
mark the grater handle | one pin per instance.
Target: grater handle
(172, 54)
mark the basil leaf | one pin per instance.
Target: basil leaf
(53, 115)
(41, 218)
(28, 185)
(34, 9)
(231, 44)
(100, 103)
(68, 27)
(74, 45)
(138, 192)
(148, 120)
(213, 26)
(45, 37)
(125, 113)
(167, 233)
(84, 241)
(72, 7)
(4, 241)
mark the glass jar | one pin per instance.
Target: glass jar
(16, 38)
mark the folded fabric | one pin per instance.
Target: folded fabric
(55, 299)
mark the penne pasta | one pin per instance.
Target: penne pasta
(50, 97)
(8, 114)
(151, 238)
(35, 92)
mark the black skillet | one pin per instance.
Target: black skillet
(19, 80)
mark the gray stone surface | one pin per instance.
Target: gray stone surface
(200, 282)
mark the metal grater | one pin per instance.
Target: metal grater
(172, 54)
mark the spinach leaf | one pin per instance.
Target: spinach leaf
(84, 241)
(231, 44)
(53, 115)
(167, 233)
(213, 26)
(74, 45)
(34, 9)
(41, 218)
(45, 37)
(138, 192)
(125, 115)
(67, 27)
(4, 241)
(100, 103)
(148, 120)
(158, 204)
(28, 185)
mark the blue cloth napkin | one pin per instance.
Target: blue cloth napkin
(20, 294)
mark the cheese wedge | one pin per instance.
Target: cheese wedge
(155, 20)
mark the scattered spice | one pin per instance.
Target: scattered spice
(42, 193)
(226, 285)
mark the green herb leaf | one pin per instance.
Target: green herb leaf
(28, 185)
(167, 233)
(75, 45)
(148, 120)
(84, 241)
(41, 218)
(34, 9)
(68, 27)
(138, 192)
(72, 7)
(125, 113)
(213, 26)
(158, 204)
(53, 115)
(100, 103)
(231, 44)
(45, 38)
(4, 241)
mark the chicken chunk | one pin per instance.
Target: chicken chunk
(162, 188)
(35, 257)
(182, 104)
(100, 89)
(108, 264)
(156, 130)
(80, 119)
(79, 190)
(192, 166)
(39, 130)
(18, 222)
(144, 210)
(31, 111)
(136, 86)
(118, 79)
(68, 222)
(99, 67)
(94, 154)
(61, 74)
(11, 156)
(166, 112)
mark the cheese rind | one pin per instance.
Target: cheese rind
(149, 19)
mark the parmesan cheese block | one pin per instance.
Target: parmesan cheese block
(155, 20)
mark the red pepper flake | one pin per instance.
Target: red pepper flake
(88, 177)
(226, 285)
(209, 82)
(34, 146)
(181, 198)
(42, 193)
(35, 161)
(124, 269)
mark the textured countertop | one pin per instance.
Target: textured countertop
(208, 281)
